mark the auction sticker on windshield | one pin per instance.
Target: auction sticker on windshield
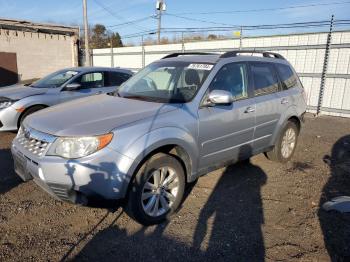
(201, 66)
(71, 73)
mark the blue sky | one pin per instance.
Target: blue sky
(70, 12)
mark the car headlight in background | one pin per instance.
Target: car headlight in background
(77, 147)
(6, 104)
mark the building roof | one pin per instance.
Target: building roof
(27, 26)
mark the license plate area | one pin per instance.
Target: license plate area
(21, 164)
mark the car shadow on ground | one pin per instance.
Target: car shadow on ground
(336, 225)
(8, 177)
(228, 227)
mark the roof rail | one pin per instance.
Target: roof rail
(264, 53)
(186, 53)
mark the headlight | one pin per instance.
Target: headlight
(76, 147)
(20, 131)
(5, 104)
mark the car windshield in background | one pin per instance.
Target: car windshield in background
(55, 79)
(167, 82)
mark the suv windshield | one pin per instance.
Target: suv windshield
(166, 82)
(55, 79)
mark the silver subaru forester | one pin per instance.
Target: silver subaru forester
(175, 120)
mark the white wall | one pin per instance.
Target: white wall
(305, 52)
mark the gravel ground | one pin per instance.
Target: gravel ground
(251, 211)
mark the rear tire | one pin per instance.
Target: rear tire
(28, 112)
(157, 190)
(286, 144)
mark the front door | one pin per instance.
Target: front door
(226, 131)
(90, 84)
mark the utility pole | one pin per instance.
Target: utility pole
(240, 38)
(160, 7)
(143, 52)
(182, 42)
(112, 54)
(86, 30)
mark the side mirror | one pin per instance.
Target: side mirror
(219, 97)
(71, 87)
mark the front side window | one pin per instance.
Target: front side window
(166, 82)
(287, 76)
(232, 78)
(56, 79)
(264, 78)
(91, 80)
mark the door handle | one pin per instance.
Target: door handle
(284, 101)
(99, 92)
(249, 110)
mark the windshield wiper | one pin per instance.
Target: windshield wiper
(135, 97)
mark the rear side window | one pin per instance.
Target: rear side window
(265, 81)
(116, 78)
(288, 78)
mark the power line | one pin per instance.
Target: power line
(263, 9)
(310, 24)
(92, 13)
(148, 32)
(118, 16)
(132, 21)
(266, 26)
(197, 20)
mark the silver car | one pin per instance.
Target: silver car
(175, 120)
(19, 101)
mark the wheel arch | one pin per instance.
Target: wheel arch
(296, 121)
(173, 149)
(42, 106)
(290, 115)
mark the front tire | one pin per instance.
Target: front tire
(286, 144)
(157, 190)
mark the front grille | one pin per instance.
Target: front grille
(34, 141)
(34, 146)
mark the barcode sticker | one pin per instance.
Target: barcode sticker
(201, 66)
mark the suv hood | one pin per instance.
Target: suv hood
(94, 115)
(17, 92)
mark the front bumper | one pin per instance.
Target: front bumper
(102, 175)
(9, 119)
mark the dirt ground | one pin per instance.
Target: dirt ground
(251, 211)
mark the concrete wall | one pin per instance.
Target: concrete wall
(306, 52)
(39, 54)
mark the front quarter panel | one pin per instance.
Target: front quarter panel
(138, 140)
(143, 146)
(10, 116)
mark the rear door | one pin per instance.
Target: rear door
(291, 93)
(267, 101)
(226, 131)
(113, 80)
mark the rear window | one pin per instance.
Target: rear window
(288, 78)
(116, 78)
(265, 81)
